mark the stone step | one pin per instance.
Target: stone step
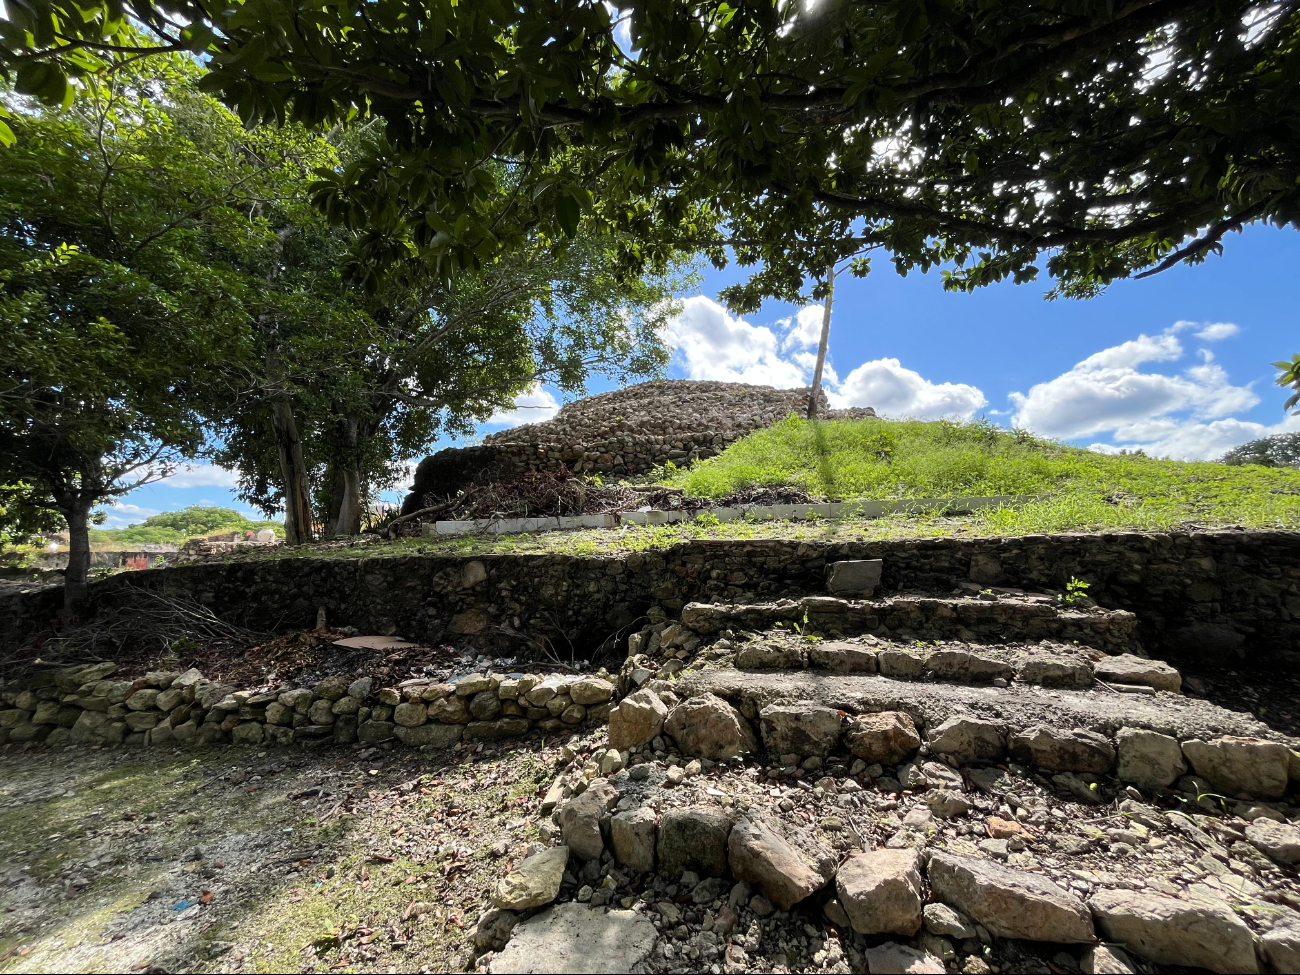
(1154, 739)
(909, 617)
(1048, 664)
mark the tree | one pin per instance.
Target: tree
(117, 325)
(1113, 138)
(436, 360)
(1279, 450)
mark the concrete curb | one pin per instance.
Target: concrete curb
(758, 512)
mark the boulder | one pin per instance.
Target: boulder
(1062, 750)
(632, 835)
(843, 658)
(1149, 759)
(1237, 765)
(881, 891)
(533, 882)
(968, 740)
(802, 728)
(572, 938)
(1280, 842)
(638, 718)
(580, 819)
(708, 727)
(887, 738)
(448, 710)
(1125, 668)
(1199, 933)
(757, 854)
(693, 839)
(1010, 903)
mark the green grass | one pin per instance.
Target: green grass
(883, 459)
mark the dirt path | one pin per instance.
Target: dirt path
(240, 860)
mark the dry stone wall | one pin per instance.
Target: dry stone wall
(94, 704)
(1194, 593)
(626, 432)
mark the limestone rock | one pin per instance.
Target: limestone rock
(1125, 668)
(887, 738)
(331, 688)
(484, 706)
(769, 656)
(897, 959)
(881, 891)
(1149, 759)
(1062, 750)
(843, 658)
(1105, 960)
(946, 922)
(1241, 765)
(410, 714)
(1055, 670)
(372, 732)
(632, 835)
(968, 740)
(900, 664)
(1280, 842)
(448, 710)
(802, 728)
(763, 858)
(572, 938)
(591, 690)
(248, 733)
(708, 727)
(1280, 944)
(580, 819)
(143, 699)
(434, 735)
(1197, 933)
(638, 718)
(967, 667)
(858, 576)
(1010, 903)
(496, 730)
(693, 839)
(534, 881)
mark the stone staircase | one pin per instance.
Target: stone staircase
(965, 782)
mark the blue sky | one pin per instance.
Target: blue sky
(1177, 364)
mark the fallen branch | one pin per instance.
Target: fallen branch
(436, 509)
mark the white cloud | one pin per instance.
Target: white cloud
(712, 344)
(1186, 416)
(121, 514)
(534, 406)
(898, 392)
(804, 330)
(1218, 330)
(201, 475)
(1192, 440)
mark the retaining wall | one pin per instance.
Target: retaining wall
(1195, 593)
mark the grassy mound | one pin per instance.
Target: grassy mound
(884, 459)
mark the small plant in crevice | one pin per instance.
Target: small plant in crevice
(1076, 592)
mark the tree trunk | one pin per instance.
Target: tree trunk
(344, 517)
(76, 584)
(814, 394)
(293, 472)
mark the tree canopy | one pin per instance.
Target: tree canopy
(1099, 139)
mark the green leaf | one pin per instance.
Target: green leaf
(569, 212)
